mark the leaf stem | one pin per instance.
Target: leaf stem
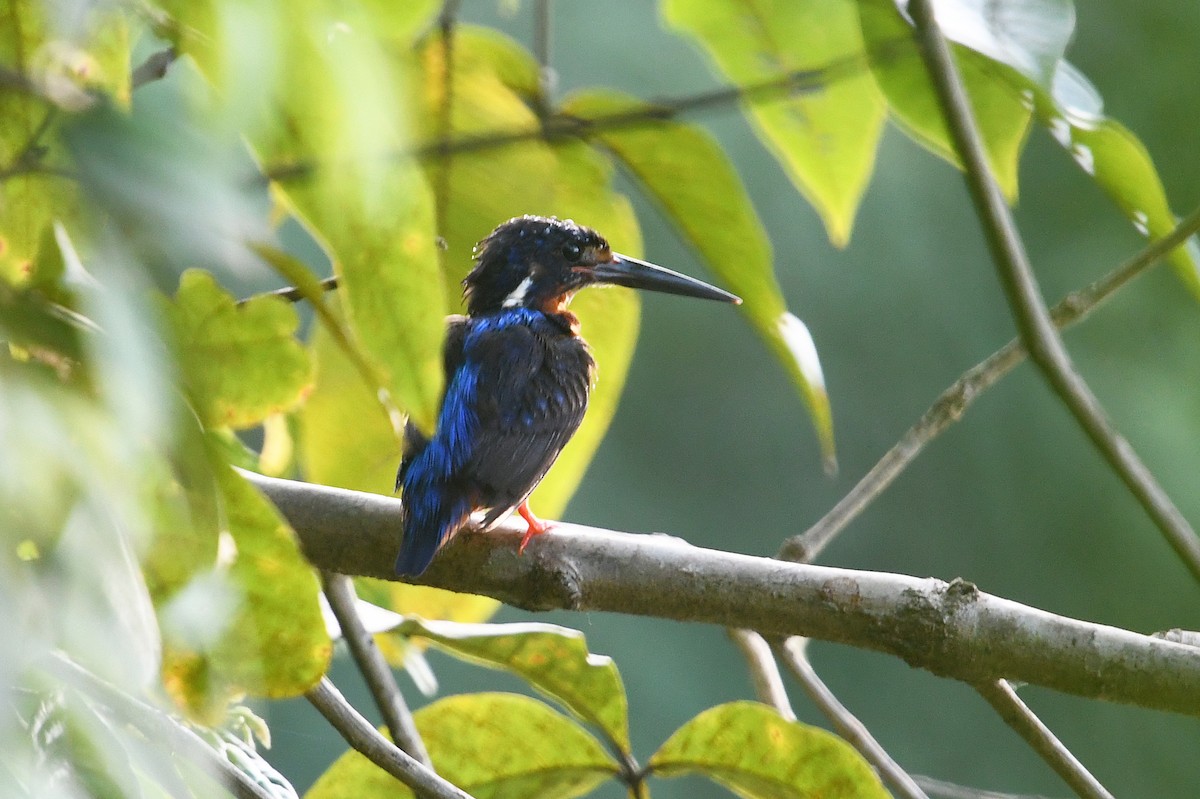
(339, 590)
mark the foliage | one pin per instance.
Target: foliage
(291, 140)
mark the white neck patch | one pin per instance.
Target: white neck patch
(517, 297)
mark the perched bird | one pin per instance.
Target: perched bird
(517, 379)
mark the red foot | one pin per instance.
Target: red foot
(536, 526)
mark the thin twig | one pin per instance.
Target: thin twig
(547, 79)
(954, 401)
(1016, 714)
(157, 726)
(764, 671)
(792, 653)
(1032, 318)
(445, 123)
(364, 738)
(339, 590)
(291, 293)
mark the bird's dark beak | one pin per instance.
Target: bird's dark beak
(637, 274)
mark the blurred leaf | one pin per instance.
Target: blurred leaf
(553, 659)
(1001, 109)
(389, 280)
(271, 641)
(81, 749)
(752, 751)
(491, 745)
(713, 212)
(825, 140)
(240, 363)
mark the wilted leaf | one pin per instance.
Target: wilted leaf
(825, 139)
(554, 660)
(240, 364)
(757, 754)
(713, 212)
(492, 746)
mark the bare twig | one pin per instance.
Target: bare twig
(1037, 331)
(364, 738)
(1016, 714)
(792, 653)
(954, 401)
(339, 590)
(764, 671)
(547, 79)
(291, 293)
(951, 629)
(156, 725)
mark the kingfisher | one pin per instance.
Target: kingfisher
(518, 376)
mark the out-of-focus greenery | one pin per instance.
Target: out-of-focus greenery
(304, 136)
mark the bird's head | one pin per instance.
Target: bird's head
(540, 262)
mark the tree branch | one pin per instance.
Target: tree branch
(764, 671)
(954, 401)
(792, 653)
(1037, 331)
(365, 739)
(951, 629)
(1016, 714)
(343, 600)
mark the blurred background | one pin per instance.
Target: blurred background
(712, 444)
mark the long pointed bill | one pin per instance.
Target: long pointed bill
(636, 274)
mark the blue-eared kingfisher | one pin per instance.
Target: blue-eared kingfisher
(517, 379)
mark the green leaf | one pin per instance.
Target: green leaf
(250, 622)
(757, 754)
(240, 364)
(825, 140)
(713, 212)
(553, 659)
(493, 746)
(1115, 159)
(1001, 109)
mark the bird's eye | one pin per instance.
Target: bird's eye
(571, 252)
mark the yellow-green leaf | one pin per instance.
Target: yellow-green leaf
(493, 746)
(240, 364)
(1001, 110)
(248, 621)
(825, 140)
(757, 754)
(553, 659)
(713, 212)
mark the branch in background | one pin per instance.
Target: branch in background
(764, 671)
(792, 653)
(365, 739)
(954, 401)
(159, 727)
(952, 629)
(1016, 714)
(339, 590)
(547, 77)
(1033, 320)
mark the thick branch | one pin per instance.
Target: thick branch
(1032, 318)
(951, 629)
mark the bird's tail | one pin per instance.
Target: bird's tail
(430, 517)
